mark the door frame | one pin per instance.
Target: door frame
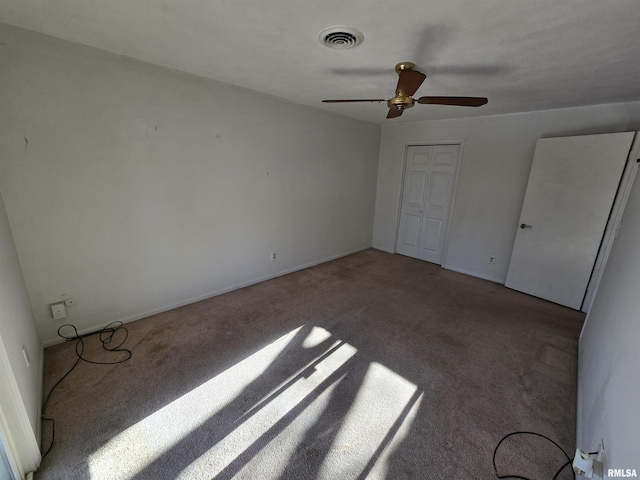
(454, 191)
(613, 224)
(14, 468)
(16, 433)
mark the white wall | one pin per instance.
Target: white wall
(132, 188)
(496, 159)
(20, 385)
(609, 353)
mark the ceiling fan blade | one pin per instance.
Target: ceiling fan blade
(409, 82)
(359, 100)
(459, 101)
(394, 112)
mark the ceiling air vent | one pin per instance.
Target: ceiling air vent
(341, 37)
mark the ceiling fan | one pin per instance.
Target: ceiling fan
(408, 84)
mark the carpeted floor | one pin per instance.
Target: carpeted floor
(372, 366)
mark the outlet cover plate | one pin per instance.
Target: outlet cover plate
(58, 311)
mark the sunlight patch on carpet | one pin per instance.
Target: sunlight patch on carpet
(264, 443)
(131, 450)
(377, 422)
(286, 404)
(316, 336)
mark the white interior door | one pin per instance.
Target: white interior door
(426, 201)
(572, 186)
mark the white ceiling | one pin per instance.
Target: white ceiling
(523, 55)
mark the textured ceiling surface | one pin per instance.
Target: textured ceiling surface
(523, 55)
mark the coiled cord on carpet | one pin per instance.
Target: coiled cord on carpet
(106, 336)
(520, 477)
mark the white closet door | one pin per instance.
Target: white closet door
(426, 201)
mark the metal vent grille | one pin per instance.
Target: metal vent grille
(340, 37)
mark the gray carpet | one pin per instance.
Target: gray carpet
(372, 366)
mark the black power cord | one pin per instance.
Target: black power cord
(106, 336)
(520, 477)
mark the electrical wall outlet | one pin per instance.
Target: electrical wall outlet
(492, 259)
(58, 311)
(274, 256)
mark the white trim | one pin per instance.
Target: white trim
(454, 192)
(382, 249)
(474, 274)
(4, 440)
(215, 293)
(21, 443)
(455, 269)
(41, 396)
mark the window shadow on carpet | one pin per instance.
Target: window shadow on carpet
(306, 406)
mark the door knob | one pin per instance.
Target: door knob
(524, 225)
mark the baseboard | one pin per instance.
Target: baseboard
(473, 274)
(383, 249)
(215, 293)
(41, 392)
(453, 269)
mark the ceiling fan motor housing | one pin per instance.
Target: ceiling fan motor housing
(400, 102)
